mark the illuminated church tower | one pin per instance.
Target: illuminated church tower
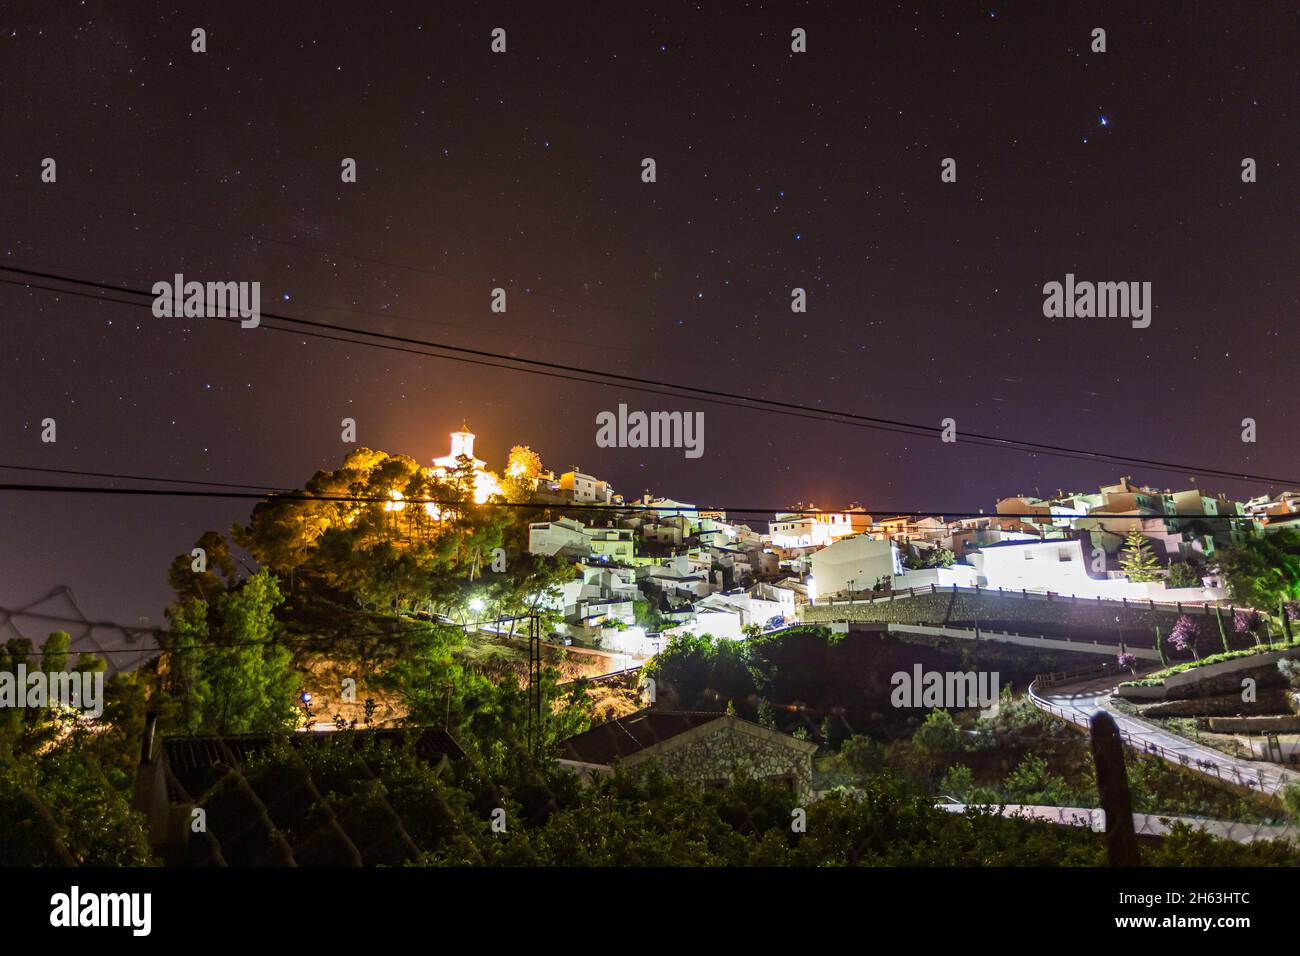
(462, 443)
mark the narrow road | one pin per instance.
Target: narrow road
(1077, 702)
(1144, 824)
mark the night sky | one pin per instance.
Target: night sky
(522, 170)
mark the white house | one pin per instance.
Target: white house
(815, 530)
(1061, 566)
(586, 488)
(854, 564)
(675, 576)
(562, 535)
(668, 508)
(1053, 565)
(720, 622)
(749, 605)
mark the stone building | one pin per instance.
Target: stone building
(707, 748)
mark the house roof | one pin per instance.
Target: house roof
(198, 762)
(629, 735)
(1026, 542)
(303, 812)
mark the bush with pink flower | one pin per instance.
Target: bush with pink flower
(1185, 634)
(1245, 621)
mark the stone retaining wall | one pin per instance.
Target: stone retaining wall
(1036, 614)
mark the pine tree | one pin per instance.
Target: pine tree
(1137, 560)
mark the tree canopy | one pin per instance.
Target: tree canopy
(1262, 570)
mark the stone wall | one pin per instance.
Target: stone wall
(1037, 614)
(719, 752)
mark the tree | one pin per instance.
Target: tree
(648, 615)
(61, 809)
(31, 730)
(219, 573)
(1184, 574)
(1185, 634)
(523, 467)
(1262, 570)
(523, 461)
(1291, 801)
(1137, 560)
(935, 557)
(224, 672)
(938, 735)
(383, 532)
(703, 673)
(940, 558)
(957, 782)
(1245, 621)
(1033, 783)
(65, 778)
(530, 584)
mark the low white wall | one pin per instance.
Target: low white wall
(1194, 674)
(1024, 640)
(632, 641)
(724, 625)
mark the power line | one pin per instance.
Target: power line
(322, 250)
(695, 357)
(658, 388)
(716, 396)
(277, 494)
(456, 358)
(266, 489)
(6, 614)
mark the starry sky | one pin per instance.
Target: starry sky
(523, 170)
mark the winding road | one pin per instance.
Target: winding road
(1077, 702)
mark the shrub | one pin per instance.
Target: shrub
(938, 735)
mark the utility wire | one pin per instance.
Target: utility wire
(6, 614)
(757, 403)
(557, 506)
(324, 251)
(456, 358)
(697, 358)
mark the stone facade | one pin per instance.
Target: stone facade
(718, 752)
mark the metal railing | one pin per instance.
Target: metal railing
(1206, 608)
(1079, 673)
(600, 678)
(1231, 773)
